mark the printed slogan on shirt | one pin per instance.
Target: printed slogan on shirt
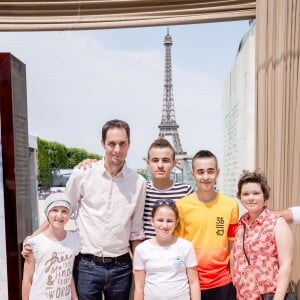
(59, 271)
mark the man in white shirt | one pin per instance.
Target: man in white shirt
(109, 199)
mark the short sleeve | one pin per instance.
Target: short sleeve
(191, 260)
(76, 242)
(296, 214)
(233, 222)
(35, 246)
(138, 263)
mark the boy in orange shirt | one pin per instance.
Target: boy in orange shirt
(208, 219)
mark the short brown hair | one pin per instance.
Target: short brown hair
(115, 124)
(161, 143)
(204, 154)
(254, 177)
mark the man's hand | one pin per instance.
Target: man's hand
(86, 164)
(27, 249)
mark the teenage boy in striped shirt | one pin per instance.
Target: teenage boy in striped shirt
(161, 161)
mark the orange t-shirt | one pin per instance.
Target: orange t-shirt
(209, 226)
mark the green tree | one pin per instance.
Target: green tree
(58, 155)
(76, 155)
(53, 156)
(44, 163)
(143, 172)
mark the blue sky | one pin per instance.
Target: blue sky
(77, 80)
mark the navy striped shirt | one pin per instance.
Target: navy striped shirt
(177, 191)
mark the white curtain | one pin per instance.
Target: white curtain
(278, 103)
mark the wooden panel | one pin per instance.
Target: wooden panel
(14, 137)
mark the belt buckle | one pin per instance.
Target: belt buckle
(106, 259)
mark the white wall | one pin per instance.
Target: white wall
(239, 116)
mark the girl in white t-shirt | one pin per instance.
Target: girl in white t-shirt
(48, 272)
(165, 267)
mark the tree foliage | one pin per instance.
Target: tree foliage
(44, 163)
(143, 172)
(54, 156)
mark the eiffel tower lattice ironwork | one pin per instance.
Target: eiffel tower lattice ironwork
(168, 125)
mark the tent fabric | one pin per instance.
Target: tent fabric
(278, 103)
(104, 14)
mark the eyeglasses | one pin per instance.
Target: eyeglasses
(160, 202)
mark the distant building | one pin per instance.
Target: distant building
(238, 108)
(60, 177)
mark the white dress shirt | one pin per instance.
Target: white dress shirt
(109, 210)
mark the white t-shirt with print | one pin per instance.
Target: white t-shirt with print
(165, 268)
(54, 262)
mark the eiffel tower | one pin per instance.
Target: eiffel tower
(168, 125)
